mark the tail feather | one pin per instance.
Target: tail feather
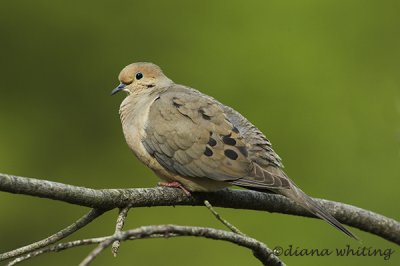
(293, 192)
(315, 208)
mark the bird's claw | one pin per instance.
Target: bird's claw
(175, 184)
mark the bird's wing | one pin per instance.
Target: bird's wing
(190, 134)
(267, 166)
(260, 148)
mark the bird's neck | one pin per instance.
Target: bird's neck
(133, 105)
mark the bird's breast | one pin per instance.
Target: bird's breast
(134, 112)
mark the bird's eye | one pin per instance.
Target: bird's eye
(139, 75)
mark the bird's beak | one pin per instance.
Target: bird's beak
(118, 89)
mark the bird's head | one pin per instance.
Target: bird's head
(137, 77)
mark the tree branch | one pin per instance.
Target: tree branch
(83, 221)
(222, 220)
(123, 213)
(57, 248)
(260, 251)
(146, 197)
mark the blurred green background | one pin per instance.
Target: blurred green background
(320, 78)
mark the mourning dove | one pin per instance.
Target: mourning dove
(192, 141)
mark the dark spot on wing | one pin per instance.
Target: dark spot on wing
(208, 152)
(234, 129)
(206, 117)
(212, 142)
(228, 140)
(231, 154)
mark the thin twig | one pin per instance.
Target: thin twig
(57, 248)
(222, 220)
(67, 245)
(123, 213)
(260, 250)
(81, 222)
(362, 219)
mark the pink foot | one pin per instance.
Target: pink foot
(176, 185)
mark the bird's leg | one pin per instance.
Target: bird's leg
(176, 185)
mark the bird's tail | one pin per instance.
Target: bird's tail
(314, 207)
